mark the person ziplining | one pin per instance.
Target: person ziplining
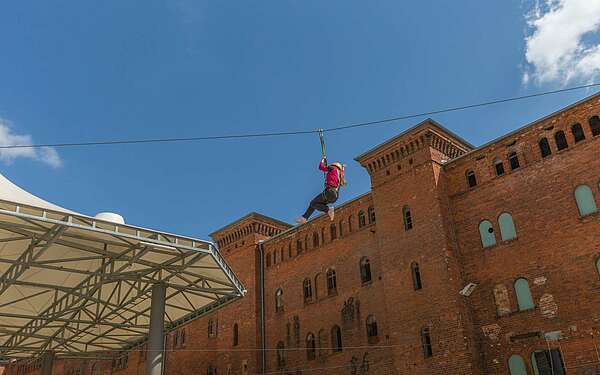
(334, 179)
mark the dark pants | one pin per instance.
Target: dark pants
(321, 201)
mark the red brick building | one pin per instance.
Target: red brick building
(513, 224)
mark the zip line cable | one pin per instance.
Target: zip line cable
(300, 132)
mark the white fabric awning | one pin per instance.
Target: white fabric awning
(77, 285)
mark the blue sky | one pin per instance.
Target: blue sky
(87, 70)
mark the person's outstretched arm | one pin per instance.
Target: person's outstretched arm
(323, 166)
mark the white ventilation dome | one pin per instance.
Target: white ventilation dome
(110, 216)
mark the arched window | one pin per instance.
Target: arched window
(268, 259)
(578, 134)
(471, 178)
(516, 365)
(336, 339)
(486, 232)
(544, 147)
(371, 327)
(310, 347)
(341, 226)
(350, 224)
(298, 247)
(407, 216)
(585, 200)
(319, 286)
(365, 270)
(315, 240)
(595, 125)
(598, 265)
(333, 231)
(362, 221)
(561, 140)
(323, 345)
(524, 298)
(547, 362)
(279, 300)
(236, 335)
(507, 227)
(513, 160)
(416, 276)
(499, 167)
(280, 354)
(371, 212)
(307, 287)
(211, 370)
(426, 343)
(331, 282)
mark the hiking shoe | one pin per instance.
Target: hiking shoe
(331, 213)
(301, 220)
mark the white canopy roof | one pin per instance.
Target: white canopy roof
(77, 285)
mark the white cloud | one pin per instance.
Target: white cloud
(556, 47)
(47, 155)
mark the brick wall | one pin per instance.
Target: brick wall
(423, 169)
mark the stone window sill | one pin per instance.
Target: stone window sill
(517, 312)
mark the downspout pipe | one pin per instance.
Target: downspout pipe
(263, 341)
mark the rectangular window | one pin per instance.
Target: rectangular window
(513, 159)
(499, 166)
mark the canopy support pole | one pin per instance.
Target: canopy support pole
(47, 363)
(156, 343)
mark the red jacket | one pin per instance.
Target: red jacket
(332, 179)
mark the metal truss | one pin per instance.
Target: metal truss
(81, 287)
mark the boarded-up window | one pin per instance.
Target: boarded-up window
(507, 227)
(516, 365)
(502, 300)
(524, 298)
(323, 343)
(585, 200)
(486, 232)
